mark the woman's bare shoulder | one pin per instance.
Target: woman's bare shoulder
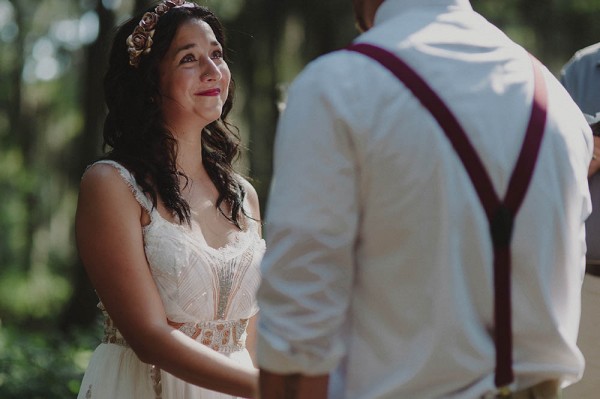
(251, 197)
(103, 172)
(104, 183)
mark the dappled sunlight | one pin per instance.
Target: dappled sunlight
(37, 295)
(53, 55)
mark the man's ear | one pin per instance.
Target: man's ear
(364, 13)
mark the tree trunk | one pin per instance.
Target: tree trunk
(81, 309)
(22, 134)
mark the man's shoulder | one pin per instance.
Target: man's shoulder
(333, 69)
(586, 54)
(331, 62)
(580, 65)
(589, 50)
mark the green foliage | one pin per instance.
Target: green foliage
(38, 295)
(226, 10)
(583, 6)
(12, 211)
(42, 365)
(50, 127)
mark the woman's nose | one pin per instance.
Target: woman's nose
(211, 72)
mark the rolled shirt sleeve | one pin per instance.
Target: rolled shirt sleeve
(311, 230)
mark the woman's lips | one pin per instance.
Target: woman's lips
(210, 92)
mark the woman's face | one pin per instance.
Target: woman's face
(194, 77)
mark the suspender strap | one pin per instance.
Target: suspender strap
(500, 213)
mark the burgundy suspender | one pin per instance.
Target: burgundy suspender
(500, 213)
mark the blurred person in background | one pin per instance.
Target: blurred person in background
(581, 77)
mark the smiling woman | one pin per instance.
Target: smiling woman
(194, 78)
(167, 231)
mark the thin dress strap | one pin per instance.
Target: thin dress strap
(129, 179)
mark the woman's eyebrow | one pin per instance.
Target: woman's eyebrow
(188, 46)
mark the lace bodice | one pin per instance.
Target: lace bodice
(197, 282)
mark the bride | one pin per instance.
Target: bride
(169, 234)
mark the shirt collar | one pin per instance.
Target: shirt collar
(390, 8)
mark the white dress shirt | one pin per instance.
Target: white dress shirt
(379, 259)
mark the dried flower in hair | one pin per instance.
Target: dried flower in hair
(176, 3)
(162, 8)
(140, 41)
(149, 21)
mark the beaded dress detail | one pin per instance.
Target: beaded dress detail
(208, 294)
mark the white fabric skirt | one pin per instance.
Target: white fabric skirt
(115, 372)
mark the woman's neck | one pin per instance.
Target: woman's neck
(189, 151)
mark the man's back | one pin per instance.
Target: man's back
(400, 236)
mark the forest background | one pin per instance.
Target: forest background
(52, 58)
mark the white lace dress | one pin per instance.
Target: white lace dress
(208, 293)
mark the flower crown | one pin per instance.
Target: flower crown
(140, 41)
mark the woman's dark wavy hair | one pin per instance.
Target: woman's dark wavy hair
(135, 132)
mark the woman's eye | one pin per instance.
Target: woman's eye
(217, 54)
(188, 58)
